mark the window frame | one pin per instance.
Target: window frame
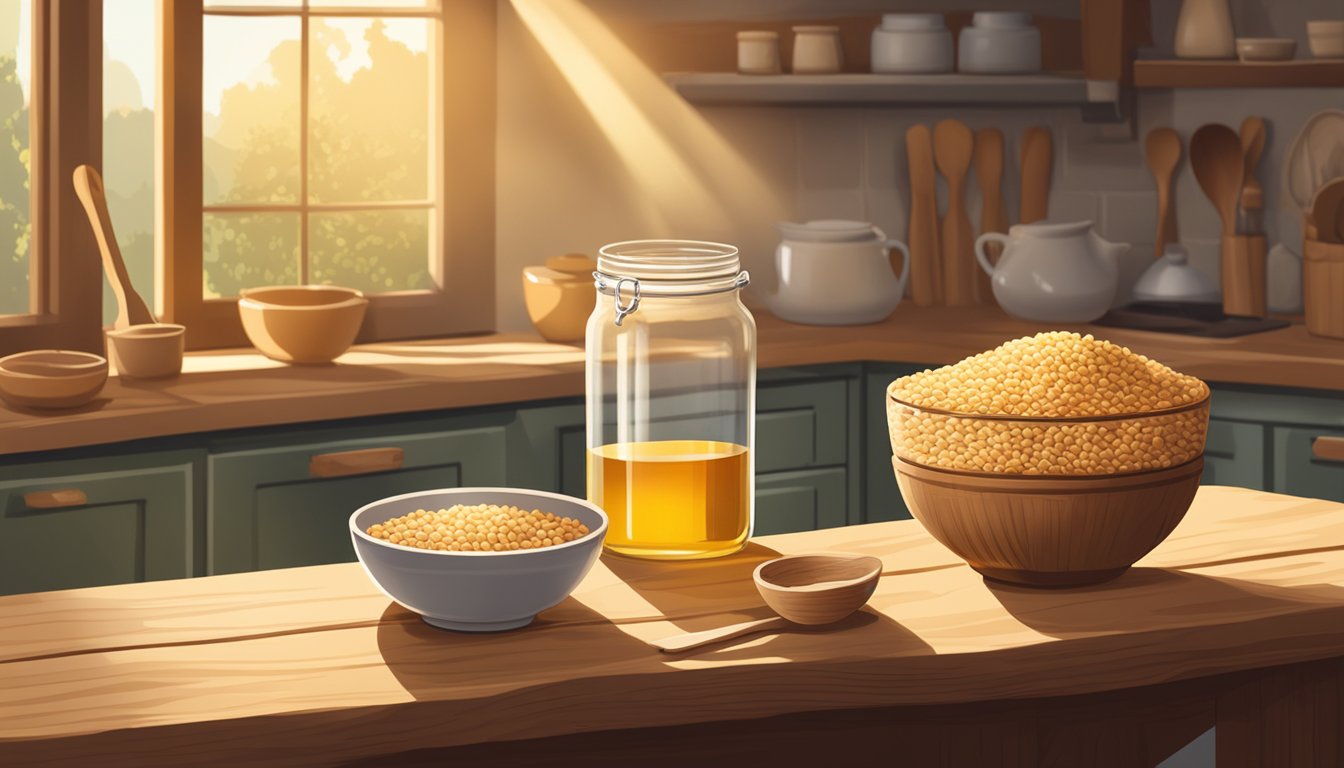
(463, 219)
(65, 119)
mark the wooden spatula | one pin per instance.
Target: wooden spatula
(1163, 148)
(953, 143)
(926, 280)
(988, 162)
(1037, 158)
(131, 309)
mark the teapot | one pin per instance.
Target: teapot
(835, 272)
(1053, 273)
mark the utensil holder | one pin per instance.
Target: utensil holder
(1322, 284)
(1243, 275)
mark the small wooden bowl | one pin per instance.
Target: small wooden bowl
(48, 378)
(302, 324)
(817, 589)
(147, 351)
(1045, 531)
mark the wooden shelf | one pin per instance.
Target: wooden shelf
(848, 89)
(1236, 74)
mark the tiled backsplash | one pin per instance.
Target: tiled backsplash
(560, 187)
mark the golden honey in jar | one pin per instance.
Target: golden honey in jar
(671, 390)
(673, 498)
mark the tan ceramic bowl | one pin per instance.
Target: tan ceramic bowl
(147, 351)
(305, 324)
(560, 297)
(46, 378)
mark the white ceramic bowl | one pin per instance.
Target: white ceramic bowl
(1266, 48)
(1326, 39)
(999, 43)
(912, 43)
(305, 324)
(48, 378)
(478, 591)
(147, 351)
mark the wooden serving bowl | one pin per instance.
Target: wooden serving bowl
(302, 324)
(1049, 531)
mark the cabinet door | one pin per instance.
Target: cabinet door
(801, 425)
(882, 499)
(267, 509)
(1299, 471)
(804, 500)
(548, 449)
(1234, 454)
(98, 521)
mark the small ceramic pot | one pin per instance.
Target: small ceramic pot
(560, 297)
(147, 351)
(1326, 39)
(816, 50)
(912, 43)
(758, 52)
(999, 43)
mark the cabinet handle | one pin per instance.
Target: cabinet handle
(1328, 448)
(67, 497)
(362, 462)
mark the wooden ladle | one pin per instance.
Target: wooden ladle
(803, 589)
(1216, 157)
(1163, 148)
(131, 309)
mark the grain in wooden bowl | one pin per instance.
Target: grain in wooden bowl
(1052, 460)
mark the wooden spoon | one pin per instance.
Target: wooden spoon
(803, 589)
(926, 280)
(1252, 146)
(1327, 211)
(953, 144)
(988, 161)
(131, 309)
(1037, 159)
(1216, 157)
(1163, 148)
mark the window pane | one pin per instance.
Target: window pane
(370, 108)
(373, 251)
(412, 5)
(246, 250)
(128, 141)
(251, 101)
(252, 4)
(15, 96)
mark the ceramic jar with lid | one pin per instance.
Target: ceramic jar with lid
(559, 296)
(912, 43)
(1204, 30)
(758, 52)
(999, 43)
(816, 50)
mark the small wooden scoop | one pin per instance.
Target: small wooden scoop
(131, 309)
(803, 589)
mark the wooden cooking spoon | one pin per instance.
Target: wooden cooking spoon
(131, 309)
(1327, 211)
(1037, 158)
(1252, 146)
(803, 589)
(988, 162)
(1163, 148)
(1216, 157)
(953, 143)
(926, 279)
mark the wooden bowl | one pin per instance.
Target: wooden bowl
(147, 351)
(560, 296)
(48, 378)
(1049, 531)
(305, 324)
(817, 589)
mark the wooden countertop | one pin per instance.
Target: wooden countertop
(239, 388)
(306, 665)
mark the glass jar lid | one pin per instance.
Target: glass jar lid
(635, 268)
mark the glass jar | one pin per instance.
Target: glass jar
(671, 397)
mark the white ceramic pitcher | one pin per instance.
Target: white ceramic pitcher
(836, 272)
(1054, 273)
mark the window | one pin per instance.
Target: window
(331, 141)
(248, 143)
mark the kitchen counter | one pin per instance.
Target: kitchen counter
(1238, 619)
(233, 389)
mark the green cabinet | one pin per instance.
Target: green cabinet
(103, 520)
(803, 500)
(1300, 473)
(268, 509)
(1234, 454)
(882, 499)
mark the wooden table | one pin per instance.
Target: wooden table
(1237, 619)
